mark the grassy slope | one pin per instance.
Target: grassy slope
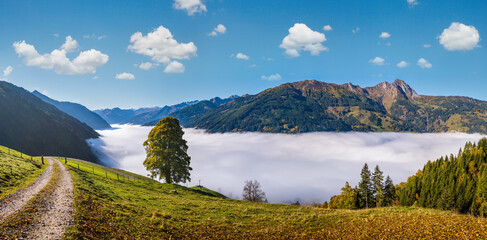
(108, 208)
(16, 172)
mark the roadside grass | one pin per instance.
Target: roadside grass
(18, 225)
(108, 208)
(18, 172)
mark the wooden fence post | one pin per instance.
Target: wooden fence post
(118, 177)
(78, 166)
(42, 159)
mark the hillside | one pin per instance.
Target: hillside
(115, 204)
(35, 127)
(312, 105)
(108, 206)
(77, 111)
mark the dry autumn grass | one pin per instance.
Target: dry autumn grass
(108, 208)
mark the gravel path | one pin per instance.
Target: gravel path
(16, 201)
(58, 217)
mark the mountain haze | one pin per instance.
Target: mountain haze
(35, 127)
(311, 105)
(77, 111)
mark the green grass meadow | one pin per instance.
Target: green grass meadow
(17, 172)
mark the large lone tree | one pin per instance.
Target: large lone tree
(167, 155)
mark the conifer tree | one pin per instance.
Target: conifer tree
(389, 192)
(378, 186)
(365, 188)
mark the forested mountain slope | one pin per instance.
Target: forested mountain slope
(35, 127)
(311, 105)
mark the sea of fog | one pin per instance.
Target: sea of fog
(308, 167)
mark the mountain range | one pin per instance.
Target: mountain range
(30, 125)
(311, 105)
(77, 111)
(150, 116)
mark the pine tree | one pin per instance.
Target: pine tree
(389, 192)
(365, 188)
(378, 186)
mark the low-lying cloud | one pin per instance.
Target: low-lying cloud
(309, 167)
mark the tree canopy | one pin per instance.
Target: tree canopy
(167, 156)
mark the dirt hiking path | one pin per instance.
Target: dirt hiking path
(59, 214)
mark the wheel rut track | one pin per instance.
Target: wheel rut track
(59, 215)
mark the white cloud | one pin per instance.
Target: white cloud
(7, 71)
(356, 30)
(402, 64)
(174, 67)
(253, 65)
(125, 76)
(146, 65)
(70, 44)
(423, 63)
(377, 61)
(327, 28)
(459, 37)
(94, 36)
(272, 77)
(219, 29)
(190, 6)
(162, 47)
(412, 3)
(56, 34)
(95, 77)
(426, 45)
(302, 38)
(320, 163)
(242, 56)
(385, 35)
(85, 63)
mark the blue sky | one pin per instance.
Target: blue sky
(193, 64)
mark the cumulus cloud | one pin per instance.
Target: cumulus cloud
(125, 76)
(162, 47)
(320, 163)
(7, 71)
(242, 56)
(85, 63)
(377, 61)
(402, 64)
(219, 29)
(423, 63)
(272, 77)
(385, 35)
(327, 28)
(146, 65)
(412, 3)
(302, 38)
(459, 37)
(70, 44)
(356, 30)
(174, 67)
(190, 6)
(426, 45)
